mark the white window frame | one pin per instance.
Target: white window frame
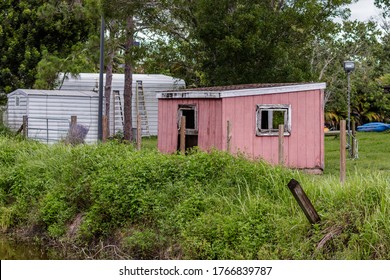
(17, 101)
(286, 108)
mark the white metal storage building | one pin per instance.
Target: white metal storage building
(152, 83)
(49, 112)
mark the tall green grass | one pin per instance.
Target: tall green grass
(198, 206)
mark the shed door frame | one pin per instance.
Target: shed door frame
(191, 113)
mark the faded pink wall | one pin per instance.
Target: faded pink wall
(304, 148)
(209, 123)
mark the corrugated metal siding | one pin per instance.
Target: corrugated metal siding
(15, 113)
(49, 113)
(56, 111)
(151, 83)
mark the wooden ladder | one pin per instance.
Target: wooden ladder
(118, 102)
(141, 108)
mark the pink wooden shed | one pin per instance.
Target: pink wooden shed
(254, 112)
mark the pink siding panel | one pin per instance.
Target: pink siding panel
(304, 148)
(209, 123)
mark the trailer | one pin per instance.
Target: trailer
(144, 88)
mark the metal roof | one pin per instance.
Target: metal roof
(240, 90)
(63, 93)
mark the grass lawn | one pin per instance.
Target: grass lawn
(374, 151)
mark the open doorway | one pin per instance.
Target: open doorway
(191, 114)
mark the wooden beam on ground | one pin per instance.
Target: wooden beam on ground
(303, 201)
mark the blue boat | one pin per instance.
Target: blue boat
(373, 127)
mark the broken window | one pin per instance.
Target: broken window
(188, 111)
(270, 116)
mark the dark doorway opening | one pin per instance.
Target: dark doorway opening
(190, 112)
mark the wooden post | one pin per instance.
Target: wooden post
(73, 120)
(228, 136)
(183, 134)
(105, 128)
(281, 144)
(343, 160)
(353, 143)
(303, 201)
(25, 126)
(139, 133)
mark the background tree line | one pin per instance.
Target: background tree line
(205, 42)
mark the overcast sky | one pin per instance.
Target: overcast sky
(363, 10)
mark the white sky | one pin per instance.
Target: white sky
(364, 10)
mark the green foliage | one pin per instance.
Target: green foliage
(195, 206)
(31, 27)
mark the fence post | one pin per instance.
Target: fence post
(73, 120)
(228, 136)
(183, 134)
(25, 126)
(281, 144)
(139, 132)
(303, 201)
(343, 160)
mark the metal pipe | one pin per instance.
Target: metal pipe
(100, 110)
(349, 112)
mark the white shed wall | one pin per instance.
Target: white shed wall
(16, 112)
(49, 113)
(151, 84)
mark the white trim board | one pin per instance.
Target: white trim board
(238, 92)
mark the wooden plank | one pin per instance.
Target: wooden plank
(229, 136)
(303, 201)
(183, 134)
(281, 145)
(343, 142)
(25, 126)
(332, 133)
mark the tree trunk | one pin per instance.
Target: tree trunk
(128, 94)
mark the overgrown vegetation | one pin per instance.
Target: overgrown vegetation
(111, 201)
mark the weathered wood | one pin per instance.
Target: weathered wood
(183, 134)
(105, 128)
(25, 126)
(139, 132)
(343, 157)
(73, 120)
(228, 136)
(303, 201)
(335, 133)
(281, 144)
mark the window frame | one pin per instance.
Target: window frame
(273, 107)
(192, 107)
(17, 101)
